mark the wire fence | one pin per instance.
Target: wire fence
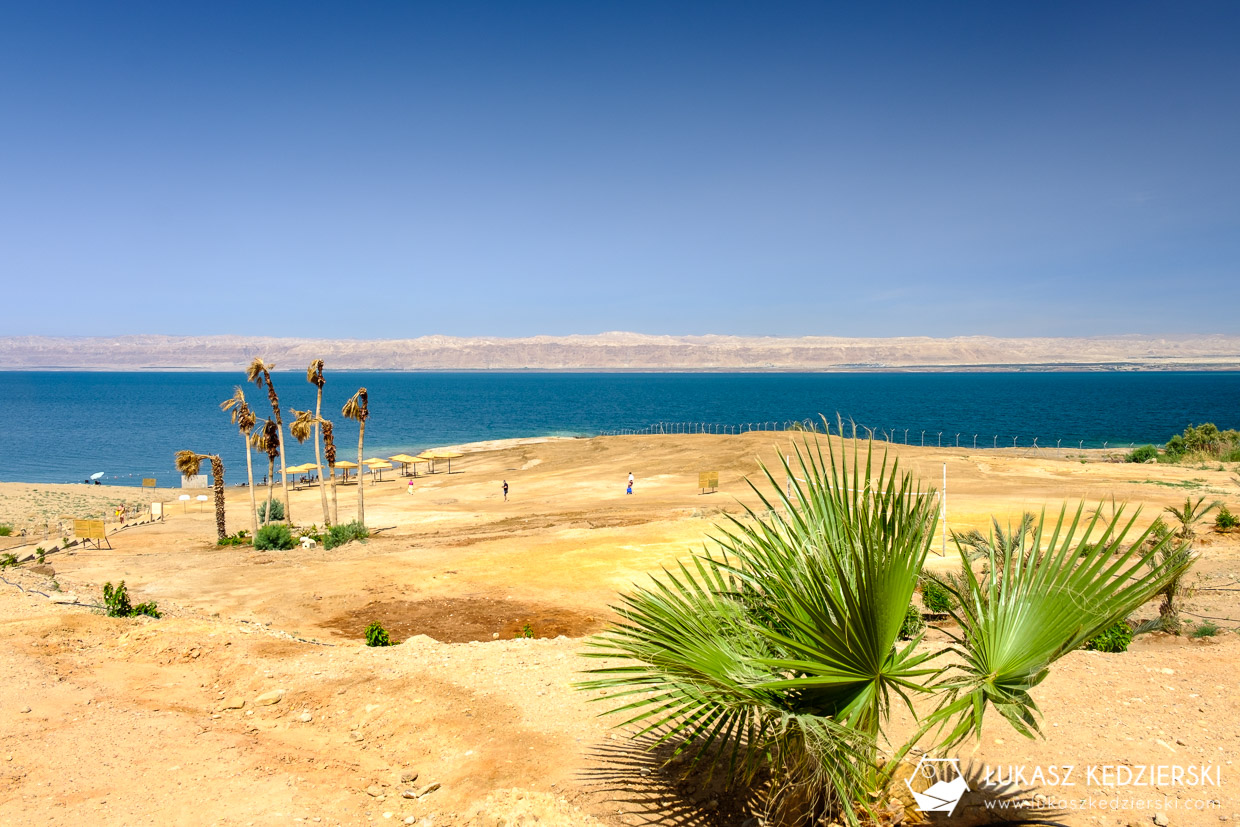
(924, 437)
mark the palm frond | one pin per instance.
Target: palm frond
(188, 462)
(357, 408)
(302, 425)
(314, 373)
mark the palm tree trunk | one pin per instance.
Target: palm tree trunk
(332, 472)
(361, 500)
(217, 471)
(249, 472)
(275, 408)
(271, 482)
(318, 458)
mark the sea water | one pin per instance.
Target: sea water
(65, 426)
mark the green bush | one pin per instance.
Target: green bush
(116, 601)
(1224, 519)
(277, 511)
(913, 623)
(6, 530)
(1204, 629)
(376, 635)
(1114, 639)
(274, 536)
(40, 555)
(1145, 453)
(241, 538)
(935, 596)
(7, 559)
(338, 535)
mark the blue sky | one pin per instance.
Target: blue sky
(391, 169)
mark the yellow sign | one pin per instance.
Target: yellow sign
(708, 479)
(89, 530)
(148, 482)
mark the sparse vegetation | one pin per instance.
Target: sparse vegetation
(274, 537)
(914, 624)
(40, 555)
(6, 530)
(526, 631)
(1113, 639)
(241, 538)
(1205, 628)
(1146, 453)
(935, 596)
(277, 511)
(117, 604)
(376, 635)
(1204, 442)
(1224, 520)
(7, 560)
(338, 535)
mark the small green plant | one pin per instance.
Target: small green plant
(376, 635)
(274, 536)
(40, 555)
(1224, 519)
(54, 585)
(6, 530)
(526, 631)
(1114, 639)
(913, 624)
(241, 538)
(935, 596)
(117, 603)
(7, 560)
(277, 511)
(1205, 628)
(338, 535)
(1146, 453)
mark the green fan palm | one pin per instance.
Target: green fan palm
(781, 651)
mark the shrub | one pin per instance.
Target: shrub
(1146, 453)
(241, 538)
(40, 555)
(376, 635)
(274, 536)
(116, 601)
(338, 535)
(913, 623)
(7, 559)
(935, 596)
(526, 631)
(1204, 629)
(1114, 639)
(1224, 519)
(6, 530)
(277, 511)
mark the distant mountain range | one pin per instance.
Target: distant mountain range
(626, 352)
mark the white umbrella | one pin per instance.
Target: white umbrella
(96, 476)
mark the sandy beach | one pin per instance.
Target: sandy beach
(112, 721)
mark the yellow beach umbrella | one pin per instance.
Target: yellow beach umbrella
(448, 455)
(404, 460)
(345, 465)
(376, 465)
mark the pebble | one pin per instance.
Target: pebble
(234, 703)
(269, 698)
(388, 814)
(410, 819)
(408, 794)
(408, 776)
(1161, 819)
(305, 717)
(25, 709)
(428, 789)
(356, 736)
(374, 791)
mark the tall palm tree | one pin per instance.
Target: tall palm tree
(245, 420)
(314, 375)
(267, 440)
(259, 372)
(782, 650)
(329, 451)
(358, 408)
(188, 463)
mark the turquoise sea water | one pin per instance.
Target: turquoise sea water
(62, 427)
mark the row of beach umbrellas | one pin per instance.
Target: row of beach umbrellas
(378, 465)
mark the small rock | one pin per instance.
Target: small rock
(65, 598)
(374, 791)
(305, 717)
(25, 709)
(1161, 819)
(408, 776)
(269, 698)
(388, 814)
(356, 736)
(234, 703)
(494, 635)
(408, 794)
(428, 789)
(410, 819)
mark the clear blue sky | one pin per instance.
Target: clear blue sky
(398, 169)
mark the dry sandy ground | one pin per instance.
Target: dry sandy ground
(108, 721)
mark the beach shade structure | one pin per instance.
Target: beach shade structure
(448, 455)
(345, 465)
(376, 466)
(202, 498)
(96, 476)
(405, 460)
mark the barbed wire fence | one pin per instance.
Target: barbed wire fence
(925, 437)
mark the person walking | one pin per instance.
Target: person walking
(630, 482)
(505, 490)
